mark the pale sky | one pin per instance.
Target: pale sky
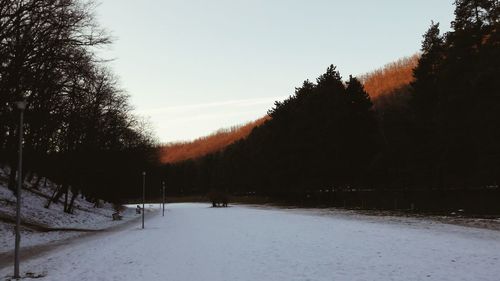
(192, 66)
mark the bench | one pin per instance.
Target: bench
(116, 216)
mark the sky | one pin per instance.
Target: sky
(194, 66)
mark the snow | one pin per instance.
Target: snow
(30, 238)
(195, 242)
(32, 209)
(84, 217)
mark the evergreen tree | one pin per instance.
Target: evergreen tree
(426, 76)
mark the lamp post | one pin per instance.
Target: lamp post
(143, 196)
(163, 207)
(21, 105)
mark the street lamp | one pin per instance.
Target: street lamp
(143, 196)
(163, 208)
(21, 105)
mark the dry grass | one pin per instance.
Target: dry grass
(177, 152)
(392, 76)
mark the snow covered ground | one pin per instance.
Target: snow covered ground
(30, 238)
(85, 216)
(195, 242)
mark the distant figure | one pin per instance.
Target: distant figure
(218, 198)
(138, 210)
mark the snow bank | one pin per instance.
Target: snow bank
(32, 209)
(85, 216)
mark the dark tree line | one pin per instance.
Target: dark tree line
(456, 98)
(441, 132)
(79, 130)
(324, 135)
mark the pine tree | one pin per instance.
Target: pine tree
(426, 76)
(358, 96)
(475, 14)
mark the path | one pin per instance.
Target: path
(80, 236)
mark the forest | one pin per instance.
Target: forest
(421, 133)
(79, 130)
(430, 144)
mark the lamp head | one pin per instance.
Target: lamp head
(21, 105)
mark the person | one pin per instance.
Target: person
(138, 209)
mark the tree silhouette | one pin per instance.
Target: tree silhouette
(77, 117)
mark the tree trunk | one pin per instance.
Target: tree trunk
(12, 177)
(60, 192)
(72, 201)
(29, 176)
(52, 198)
(66, 198)
(37, 183)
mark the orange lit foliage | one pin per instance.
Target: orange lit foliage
(176, 152)
(379, 84)
(390, 78)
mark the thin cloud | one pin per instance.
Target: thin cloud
(210, 106)
(187, 122)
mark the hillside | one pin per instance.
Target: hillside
(378, 83)
(42, 225)
(389, 78)
(176, 152)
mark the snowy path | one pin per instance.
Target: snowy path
(194, 242)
